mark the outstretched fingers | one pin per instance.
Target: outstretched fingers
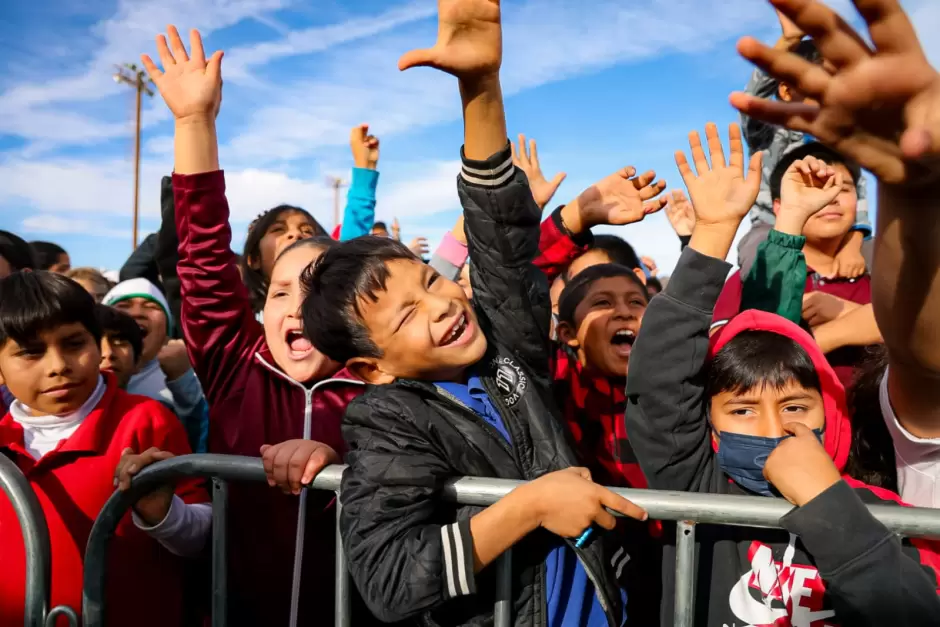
(836, 39)
(810, 79)
(176, 45)
(889, 26)
(685, 170)
(195, 46)
(796, 116)
(698, 154)
(715, 150)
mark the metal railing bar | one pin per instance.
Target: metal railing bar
(684, 610)
(219, 552)
(342, 617)
(35, 540)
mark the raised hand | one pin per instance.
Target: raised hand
(469, 40)
(680, 213)
(808, 185)
(789, 31)
(720, 192)
(617, 200)
(419, 246)
(880, 106)
(527, 160)
(396, 230)
(190, 86)
(365, 147)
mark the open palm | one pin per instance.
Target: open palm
(469, 39)
(720, 192)
(190, 86)
(808, 186)
(620, 198)
(880, 107)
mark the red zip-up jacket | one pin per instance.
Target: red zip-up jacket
(252, 402)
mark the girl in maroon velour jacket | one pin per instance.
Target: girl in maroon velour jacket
(269, 390)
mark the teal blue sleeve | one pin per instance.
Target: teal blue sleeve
(360, 204)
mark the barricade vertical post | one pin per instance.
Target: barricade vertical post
(502, 613)
(219, 552)
(684, 610)
(35, 540)
(342, 610)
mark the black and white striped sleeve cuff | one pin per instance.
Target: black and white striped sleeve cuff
(458, 560)
(496, 171)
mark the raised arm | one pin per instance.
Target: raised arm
(901, 147)
(666, 403)
(359, 215)
(218, 324)
(777, 280)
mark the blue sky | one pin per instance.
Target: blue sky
(599, 83)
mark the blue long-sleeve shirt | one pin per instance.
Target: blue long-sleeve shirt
(359, 215)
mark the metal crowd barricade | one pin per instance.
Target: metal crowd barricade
(687, 509)
(36, 542)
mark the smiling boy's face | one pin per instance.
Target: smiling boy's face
(422, 324)
(607, 322)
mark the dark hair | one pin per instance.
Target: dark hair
(321, 241)
(114, 322)
(654, 283)
(47, 254)
(617, 249)
(16, 251)
(871, 458)
(577, 288)
(379, 225)
(343, 275)
(812, 149)
(760, 358)
(33, 302)
(255, 281)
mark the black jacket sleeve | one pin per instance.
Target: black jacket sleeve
(167, 253)
(665, 414)
(402, 556)
(870, 576)
(142, 263)
(502, 223)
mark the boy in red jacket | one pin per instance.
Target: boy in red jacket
(68, 430)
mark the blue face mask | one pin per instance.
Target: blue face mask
(742, 457)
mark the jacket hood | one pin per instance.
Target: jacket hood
(838, 434)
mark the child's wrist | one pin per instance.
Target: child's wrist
(789, 223)
(573, 219)
(196, 119)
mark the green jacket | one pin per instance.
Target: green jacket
(777, 279)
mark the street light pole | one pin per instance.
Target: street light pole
(337, 184)
(137, 78)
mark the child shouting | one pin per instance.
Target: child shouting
(270, 391)
(466, 392)
(73, 433)
(758, 410)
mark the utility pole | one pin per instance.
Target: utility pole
(337, 184)
(137, 78)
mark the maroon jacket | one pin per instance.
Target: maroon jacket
(253, 403)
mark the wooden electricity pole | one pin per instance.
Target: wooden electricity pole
(137, 78)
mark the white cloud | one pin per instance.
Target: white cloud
(49, 223)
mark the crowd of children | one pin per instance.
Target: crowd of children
(524, 348)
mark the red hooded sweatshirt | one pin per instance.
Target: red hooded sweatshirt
(832, 563)
(251, 403)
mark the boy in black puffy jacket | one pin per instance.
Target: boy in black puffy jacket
(462, 389)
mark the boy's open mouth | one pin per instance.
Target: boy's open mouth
(622, 342)
(457, 331)
(298, 346)
(143, 331)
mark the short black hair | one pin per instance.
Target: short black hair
(114, 322)
(17, 252)
(255, 281)
(379, 225)
(617, 249)
(33, 302)
(343, 275)
(322, 242)
(755, 359)
(577, 288)
(47, 254)
(811, 149)
(655, 283)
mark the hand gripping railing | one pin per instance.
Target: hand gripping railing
(36, 542)
(684, 507)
